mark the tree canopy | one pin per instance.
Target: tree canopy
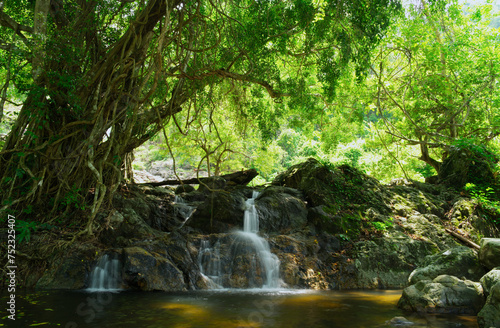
(435, 79)
(98, 78)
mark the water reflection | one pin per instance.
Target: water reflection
(225, 308)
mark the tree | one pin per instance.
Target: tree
(108, 75)
(435, 79)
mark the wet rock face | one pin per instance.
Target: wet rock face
(281, 210)
(69, 270)
(221, 211)
(444, 294)
(460, 262)
(146, 271)
(489, 254)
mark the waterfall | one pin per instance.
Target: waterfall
(106, 275)
(210, 264)
(250, 255)
(183, 209)
(268, 260)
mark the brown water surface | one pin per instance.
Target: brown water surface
(222, 308)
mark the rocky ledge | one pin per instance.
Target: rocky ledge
(330, 228)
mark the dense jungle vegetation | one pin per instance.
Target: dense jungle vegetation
(386, 87)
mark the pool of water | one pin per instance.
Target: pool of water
(222, 308)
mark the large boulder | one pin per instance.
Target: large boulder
(489, 316)
(69, 269)
(444, 294)
(490, 279)
(387, 262)
(221, 211)
(489, 254)
(467, 164)
(468, 216)
(150, 271)
(460, 262)
(334, 187)
(281, 209)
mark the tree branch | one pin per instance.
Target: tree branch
(244, 78)
(9, 22)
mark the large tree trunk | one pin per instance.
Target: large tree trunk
(67, 147)
(40, 33)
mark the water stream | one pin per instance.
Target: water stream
(249, 250)
(183, 209)
(105, 276)
(268, 260)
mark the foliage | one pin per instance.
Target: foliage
(486, 198)
(100, 78)
(24, 229)
(435, 77)
(382, 226)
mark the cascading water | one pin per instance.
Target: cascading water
(106, 275)
(183, 209)
(210, 264)
(250, 256)
(269, 261)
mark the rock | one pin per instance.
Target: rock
(407, 199)
(459, 261)
(489, 254)
(463, 165)
(220, 212)
(151, 271)
(338, 186)
(212, 184)
(467, 216)
(444, 294)
(429, 228)
(281, 209)
(156, 191)
(320, 217)
(68, 270)
(184, 188)
(490, 279)
(489, 316)
(141, 176)
(194, 197)
(400, 322)
(386, 262)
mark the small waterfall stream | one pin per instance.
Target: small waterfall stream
(210, 264)
(268, 260)
(105, 276)
(263, 267)
(183, 209)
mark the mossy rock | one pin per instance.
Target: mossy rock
(489, 315)
(69, 269)
(489, 254)
(327, 186)
(463, 165)
(444, 294)
(460, 262)
(490, 279)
